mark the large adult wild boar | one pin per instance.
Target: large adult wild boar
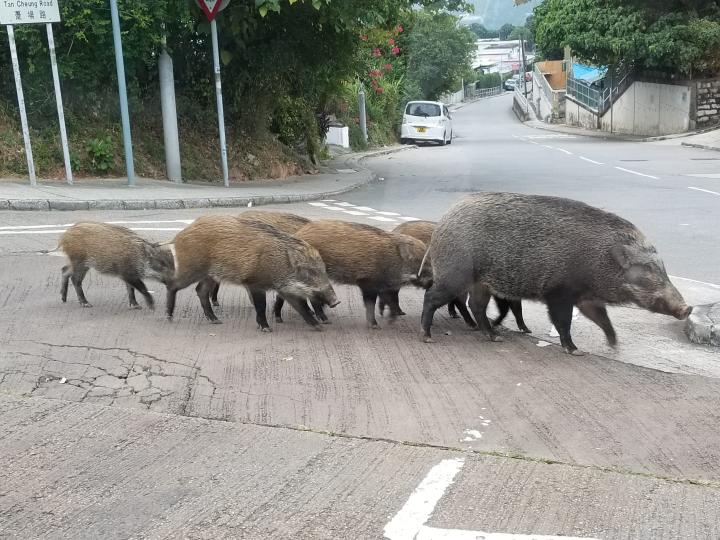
(113, 250)
(422, 230)
(377, 261)
(562, 252)
(253, 254)
(283, 221)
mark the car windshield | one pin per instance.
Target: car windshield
(423, 109)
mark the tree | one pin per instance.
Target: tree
(481, 32)
(438, 53)
(505, 30)
(676, 37)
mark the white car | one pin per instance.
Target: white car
(426, 121)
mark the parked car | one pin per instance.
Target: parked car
(426, 121)
(511, 83)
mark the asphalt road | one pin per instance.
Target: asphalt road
(119, 424)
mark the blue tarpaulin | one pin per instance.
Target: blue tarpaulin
(589, 74)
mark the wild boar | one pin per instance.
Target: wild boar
(283, 221)
(253, 254)
(113, 250)
(422, 230)
(562, 252)
(377, 261)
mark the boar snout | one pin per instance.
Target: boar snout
(683, 314)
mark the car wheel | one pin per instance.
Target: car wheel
(443, 141)
(403, 141)
(451, 138)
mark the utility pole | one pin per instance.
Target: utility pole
(525, 93)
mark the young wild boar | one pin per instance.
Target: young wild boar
(114, 250)
(283, 221)
(253, 254)
(422, 230)
(377, 261)
(562, 252)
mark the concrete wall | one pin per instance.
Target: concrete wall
(650, 109)
(578, 115)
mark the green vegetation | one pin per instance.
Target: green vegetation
(287, 65)
(669, 37)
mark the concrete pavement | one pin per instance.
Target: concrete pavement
(342, 174)
(120, 424)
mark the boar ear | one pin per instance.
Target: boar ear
(623, 255)
(406, 248)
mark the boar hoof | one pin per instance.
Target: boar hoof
(526, 330)
(135, 306)
(326, 321)
(215, 321)
(265, 329)
(497, 339)
(216, 303)
(428, 339)
(86, 304)
(374, 326)
(574, 352)
(279, 319)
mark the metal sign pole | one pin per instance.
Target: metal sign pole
(218, 94)
(58, 100)
(21, 105)
(125, 115)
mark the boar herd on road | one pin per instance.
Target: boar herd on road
(504, 246)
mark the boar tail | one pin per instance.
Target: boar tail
(422, 263)
(57, 252)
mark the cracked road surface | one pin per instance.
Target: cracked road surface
(119, 424)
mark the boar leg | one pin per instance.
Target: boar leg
(435, 297)
(203, 290)
(381, 307)
(320, 312)
(459, 302)
(260, 302)
(77, 278)
(300, 305)
(66, 273)
(504, 305)
(392, 299)
(215, 290)
(560, 309)
(479, 300)
(370, 296)
(598, 314)
(277, 308)
(137, 283)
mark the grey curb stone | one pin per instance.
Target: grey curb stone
(32, 204)
(69, 205)
(703, 325)
(352, 161)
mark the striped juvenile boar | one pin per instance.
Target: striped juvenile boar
(253, 254)
(283, 221)
(562, 252)
(114, 250)
(422, 230)
(377, 261)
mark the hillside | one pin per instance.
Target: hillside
(494, 13)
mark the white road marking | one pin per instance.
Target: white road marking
(335, 209)
(418, 508)
(355, 213)
(535, 143)
(329, 200)
(365, 209)
(696, 281)
(547, 146)
(704, 190)
(344, 204)
(381, 218)
(408, 218)
(317, 204)
(713, 176)
(387, 213)
(637, 173)
(409, 522)
(568, 152)
(591, 161)
(58, 231)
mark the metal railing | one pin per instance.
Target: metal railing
(596, 97)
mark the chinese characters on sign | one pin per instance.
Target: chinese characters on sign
(29, 11)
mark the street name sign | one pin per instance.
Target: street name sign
(29, 11)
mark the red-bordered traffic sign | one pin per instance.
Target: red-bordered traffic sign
(212, 7)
